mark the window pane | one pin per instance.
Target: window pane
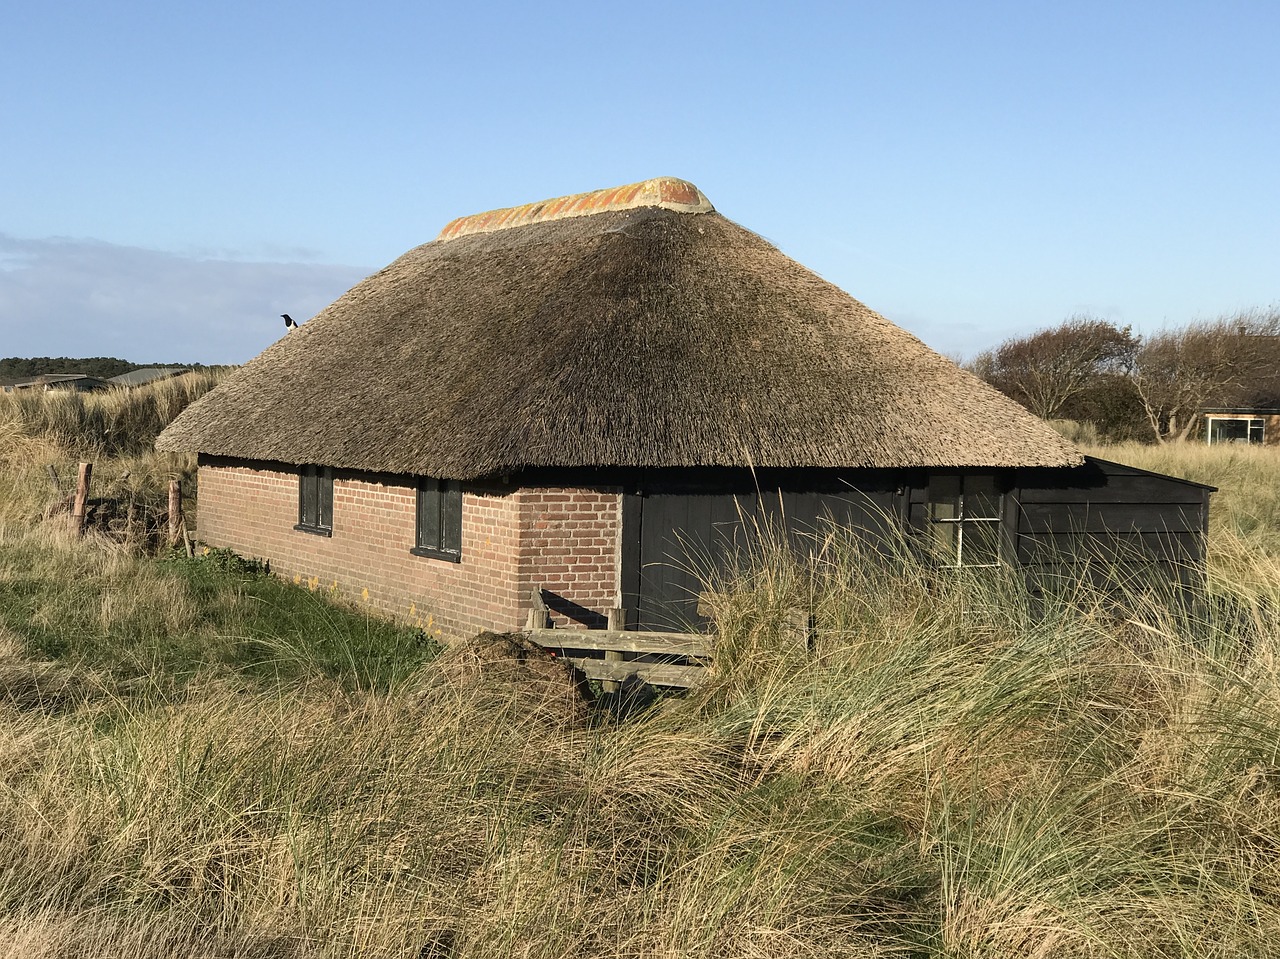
(451, 517)
(944, 536)
(429, 514)
(324, 497)
(981, 544)
(944, 496)
(308, 503)
(1228, 429)
(981, 497)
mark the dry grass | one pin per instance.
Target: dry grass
(950, 771)
(44, 434)
(116, 422)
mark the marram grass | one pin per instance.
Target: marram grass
(950, 771)
(198, 760)
(43, 435)
(114, 422)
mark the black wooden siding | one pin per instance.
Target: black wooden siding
(681, 530)
(1107, 519)
(1102, 519)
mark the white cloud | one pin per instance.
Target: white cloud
(65, 297)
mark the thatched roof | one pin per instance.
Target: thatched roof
(630, 331)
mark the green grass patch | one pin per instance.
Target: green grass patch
(105, 609)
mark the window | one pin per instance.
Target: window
(315, 500)
(964, 518)
(439, 523)
(1235, 429)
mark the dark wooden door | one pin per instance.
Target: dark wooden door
(683, 538)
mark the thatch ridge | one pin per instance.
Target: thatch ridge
(666, 192)
(639, 337)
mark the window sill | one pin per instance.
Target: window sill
(314, 530)
(436, 554)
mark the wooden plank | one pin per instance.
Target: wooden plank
(673, 537)
(175, 511)
(691, 533)
(1181, 496)
(1123, 549)
(539, 617)
(799, 624)
(632, 515)
(1118, 489)
(624, 641)
(617, 621)
(1155, 575)
(709, 601)
(1099, 517)
(655, 674)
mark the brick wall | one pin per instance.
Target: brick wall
(513, 540)
(570, 546)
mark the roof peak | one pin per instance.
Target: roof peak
(666, 192)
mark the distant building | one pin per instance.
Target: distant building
(148, 374)
(1252, 425)
(75, 382)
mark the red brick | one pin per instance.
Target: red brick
(511, 542)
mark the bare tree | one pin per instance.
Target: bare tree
(1047, 370)
(1221, 362)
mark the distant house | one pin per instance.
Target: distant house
(76, 382)
(146, 375)
(1255, 425)
(603, 395)
(83, 383)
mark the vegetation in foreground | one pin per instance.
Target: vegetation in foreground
(950, 772)
(200, 760)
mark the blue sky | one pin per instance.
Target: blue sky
(173, 175)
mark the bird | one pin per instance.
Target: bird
(289, 322)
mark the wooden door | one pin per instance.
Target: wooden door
(683, 538)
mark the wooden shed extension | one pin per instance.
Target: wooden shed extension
(1112, 518)
(1102, 519)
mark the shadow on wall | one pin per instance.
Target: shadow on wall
(559, 605)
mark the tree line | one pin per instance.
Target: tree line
(1149, 388)
(99, 367)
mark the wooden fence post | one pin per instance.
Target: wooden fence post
(538, 611)
(617, 620)
(800, 626)
(175, 511)
(82, 498)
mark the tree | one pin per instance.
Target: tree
(1224, 362)
(1048, 370)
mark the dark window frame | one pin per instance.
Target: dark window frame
(315, 500)
(438, 520)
